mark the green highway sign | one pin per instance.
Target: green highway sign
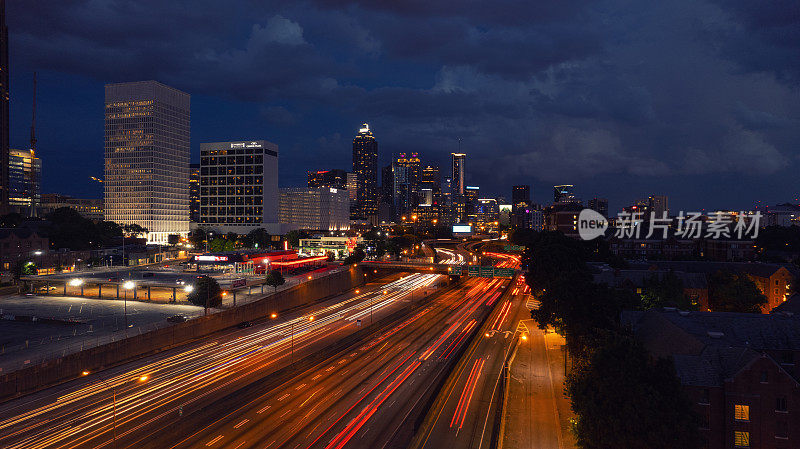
(514, 248)
(487, 272)
(474, 271)
(455, 270)
(503, 273)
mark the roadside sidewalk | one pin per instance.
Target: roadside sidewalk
(537, 413)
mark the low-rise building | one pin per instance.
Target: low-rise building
(87, 207)
(338, 247)
(741, 372)
(20, 245)
(318, 209)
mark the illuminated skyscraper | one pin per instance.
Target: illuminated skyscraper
(365, 166)
(24, 173)
(3, 108)
(147, 158)
(521, 206)
(564, 194)
(194, 193)
(458, 172)
(430, 178)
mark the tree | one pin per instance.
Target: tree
(275, 279)
(552, 256)
(666, 291)
(134, 230)
(173, 239)
(25, 269)
(734, 292)
(198, 238)
(217, 245)
(258, 237)
(625, 399)
(581, 309)
(206, 292)
(293, 237)
(356, 256)
(11, 220)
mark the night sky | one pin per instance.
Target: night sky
(698, 100)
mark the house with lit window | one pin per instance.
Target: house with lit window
(741, 371)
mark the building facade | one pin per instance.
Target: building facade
(87, 207)
(335, 178)
(458, 160)
(739, 370)
(599, 205)
(24, 181)
(239, 186)
(521, 207)
(318, 209)
(564, 193)
(430, 178)
(365, 167)
(147, 158)
(194, 193)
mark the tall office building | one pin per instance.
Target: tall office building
(314, 208)
(239, 186)
(413, 175)
(599, 205)
(335, 178)
(147, 158)
(430, 178)
(194, 193)
(24, 186)
(365, 166)
(564, 193)
(658, 204)
(458, 160)
(521, 206)
(4, 96)
(387, 184)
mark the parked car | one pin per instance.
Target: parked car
(245, 324)
(177, 318)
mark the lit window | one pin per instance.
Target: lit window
(741, 439)
(741, 412)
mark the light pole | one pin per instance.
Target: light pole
(310, 318)
(127, 286)
(113, 403)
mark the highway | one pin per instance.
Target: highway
(219, 393)
(367, 396)
(465, 410)
(151, 393)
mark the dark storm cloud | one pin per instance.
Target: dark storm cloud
(568, 91)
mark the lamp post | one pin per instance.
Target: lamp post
(113, 403)
(128, 285)
(310, 318)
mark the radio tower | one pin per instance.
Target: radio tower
(34, 190)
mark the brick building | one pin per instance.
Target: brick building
(20, 244)
(774, 280)
(740, 371)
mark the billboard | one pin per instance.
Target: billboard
(462, 229)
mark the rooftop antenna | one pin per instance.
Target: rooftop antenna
(33, 188)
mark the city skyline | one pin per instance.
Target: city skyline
(741, 151)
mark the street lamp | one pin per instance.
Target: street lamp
(188, 288)
(113, 388)
(310, 318)
(127, 285)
